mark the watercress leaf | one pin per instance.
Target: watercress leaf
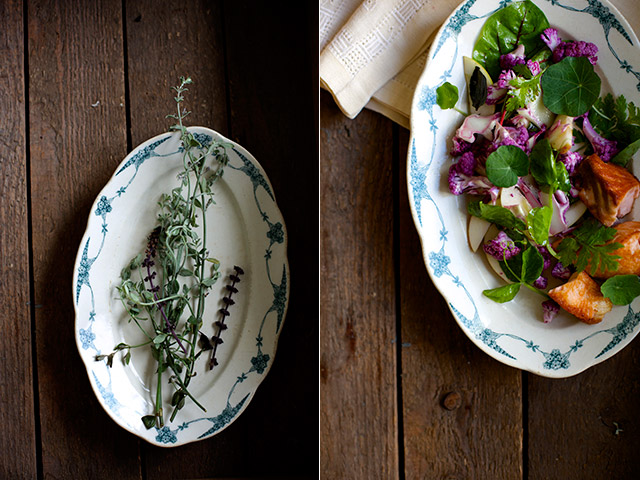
(503, 294)
(513, 267)
(532, 264)
(623, 157)
(543, 163)
(447, 95)
(562, 181)
(501, 216)
(538, 224)
(518, 23)
(506, 164)
(621, 289)
(570, 87)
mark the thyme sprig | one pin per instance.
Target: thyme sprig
(163, 290)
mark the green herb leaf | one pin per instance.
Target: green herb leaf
(503, 294)
(524, 91)
(149, 421)
(543, 163)
(623, 157)
(588, 247)
(447, 95)
(621, 289)
(477, 88)
(501, 216)
(570, 87)
(518, 23)
(538, 224)
(158, 339)
(532, 264)
(506, 164)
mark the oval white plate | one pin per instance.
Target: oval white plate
(245, 228)
(513, 333)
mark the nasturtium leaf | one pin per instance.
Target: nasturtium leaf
(506, 164)
(503, 294)
(447, 95)
(538, 224)
(570, 87)
(532, 264)
(621, 289)
(517, 23)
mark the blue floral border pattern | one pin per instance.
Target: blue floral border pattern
(276, 235)
(419, 171)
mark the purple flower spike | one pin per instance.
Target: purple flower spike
(501, 247)
(550, 310)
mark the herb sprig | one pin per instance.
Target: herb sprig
(163, 290)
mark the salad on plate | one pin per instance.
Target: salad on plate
(543, 156)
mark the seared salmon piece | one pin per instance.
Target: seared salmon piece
(606, 189)
(627, 234)
(581, 297)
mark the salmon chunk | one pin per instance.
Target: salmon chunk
(606, 189)
(581, 297)
(627, 234)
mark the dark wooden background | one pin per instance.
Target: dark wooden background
(404, 393)
(81, 84)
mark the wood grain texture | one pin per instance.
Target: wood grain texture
(358, 415)
(462, 410)
(77, 138)
(16, 381)
(241, 98)
(586, 426)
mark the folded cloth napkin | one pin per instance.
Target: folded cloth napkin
(373, 51)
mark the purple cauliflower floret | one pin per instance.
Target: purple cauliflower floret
(462, 179)
(576, 49)
(605, 149)
(571, 160)
(497, 91)
(510, 60)
(550, 37)
(518, 136)
(561, 272)
(534, 67)
(541, 283)
(466, 164)
(546, 256)
(460, 146)
(501, 247)
(550, 310)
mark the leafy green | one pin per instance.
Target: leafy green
(524, 91)
(506, 164)
(589, 247)
(447, 95)
(570, 87)
(517, 23)
(615, 119)
(532, 265)
(501, 216)
(477, 88)
(503, 294)
(538, 224)
(621, 289)
(545, 170)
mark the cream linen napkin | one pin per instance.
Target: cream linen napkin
(373, 51)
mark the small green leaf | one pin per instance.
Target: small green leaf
(621, 289)
(501, 216)
(447, 95)
(207, 282)
(506, 164)
(185, 272)
(161, 337)
(538, 224)
(570, 87)
(503, 294)
(149, 421)
(477, 88)
(532, 264)
(623, 157)
(543, 163)
(127, 358)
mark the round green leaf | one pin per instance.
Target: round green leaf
(506, 164)
(570, 87)
(621, 289)
(447, 95)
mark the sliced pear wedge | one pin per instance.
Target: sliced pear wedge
(470, 65)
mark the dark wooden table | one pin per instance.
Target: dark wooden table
(404, 393)
(81, 84)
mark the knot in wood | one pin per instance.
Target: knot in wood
(452, 401)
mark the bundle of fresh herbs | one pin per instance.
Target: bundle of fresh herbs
(163, 290)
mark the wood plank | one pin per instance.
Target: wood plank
(16, 381)
(286, 426)
(358, 415)
(77, 138)
(462, 410)
(585, 426)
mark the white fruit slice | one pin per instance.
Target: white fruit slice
(493, 263)
(469, 65)
(477, 229)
